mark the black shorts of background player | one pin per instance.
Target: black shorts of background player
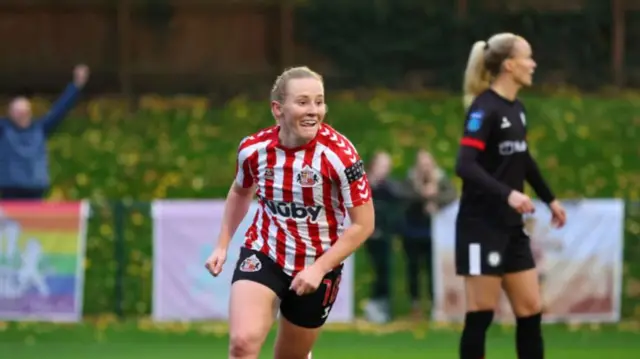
(492, 251)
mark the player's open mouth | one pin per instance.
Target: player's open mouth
(308, 123)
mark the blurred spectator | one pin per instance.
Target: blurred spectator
(24, 169)
(432, 190)
(386, 198)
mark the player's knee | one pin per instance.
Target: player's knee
(482, 295)
(244, 345)
(482, 304)
(527, 306)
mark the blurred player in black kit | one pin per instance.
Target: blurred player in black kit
(492, 250)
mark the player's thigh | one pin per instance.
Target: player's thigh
(254, 293)
(521, 280)
(480, 249)
(482, 292)
(294, 341)
(302, 317)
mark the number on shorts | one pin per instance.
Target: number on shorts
(331, 292)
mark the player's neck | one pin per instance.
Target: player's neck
(506, 88)
(291, 141)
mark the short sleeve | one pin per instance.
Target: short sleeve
(244, 173)
(477, 127)
(354, 185)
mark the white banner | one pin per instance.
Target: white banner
(580, 265)
(184, 234)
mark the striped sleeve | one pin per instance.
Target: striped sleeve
(244, 164)
(350, 173)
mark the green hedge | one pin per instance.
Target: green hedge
(177, 148)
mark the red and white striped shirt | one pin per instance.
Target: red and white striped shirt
(303, 194)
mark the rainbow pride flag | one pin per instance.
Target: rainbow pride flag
(42, 251)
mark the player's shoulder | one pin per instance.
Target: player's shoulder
(519, 105)
(338, 144)
(331, 138)
(486, 101)
(484, 107)
(260, 138)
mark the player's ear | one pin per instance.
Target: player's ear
(276, 110)
(507, 65)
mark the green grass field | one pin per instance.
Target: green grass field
(105, 339)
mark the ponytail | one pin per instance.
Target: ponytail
(476, 76)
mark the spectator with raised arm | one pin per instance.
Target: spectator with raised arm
(24, 168)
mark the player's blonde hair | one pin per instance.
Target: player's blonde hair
(485, 62)
(279, 89)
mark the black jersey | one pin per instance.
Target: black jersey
(494, 159)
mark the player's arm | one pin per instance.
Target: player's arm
(478, 127)
(356, 193)
(239, 197)
(536, 181)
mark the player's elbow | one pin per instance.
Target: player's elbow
(368, 227)
(363, 217)
(465, 162)
(461, 168)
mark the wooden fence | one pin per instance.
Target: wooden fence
(187, 45)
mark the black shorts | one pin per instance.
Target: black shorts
(483, 248)
(309, 310)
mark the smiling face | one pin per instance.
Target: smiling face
(298, 106)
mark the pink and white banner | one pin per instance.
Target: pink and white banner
(184, 234)
(580, 265)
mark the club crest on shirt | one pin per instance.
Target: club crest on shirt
(268, 173)
(251, 264)
(307, 177)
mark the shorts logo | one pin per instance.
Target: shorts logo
(251, 264)
(494, 259)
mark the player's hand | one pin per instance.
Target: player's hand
(520, 202)
(307, 281)
(215, 261)
(430, 190)
(80, 75)
(558, 215)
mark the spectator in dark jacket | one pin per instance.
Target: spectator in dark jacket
(432, 190)
(387, 194)
(24, 168)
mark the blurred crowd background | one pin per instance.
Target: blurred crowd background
(174, 86)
